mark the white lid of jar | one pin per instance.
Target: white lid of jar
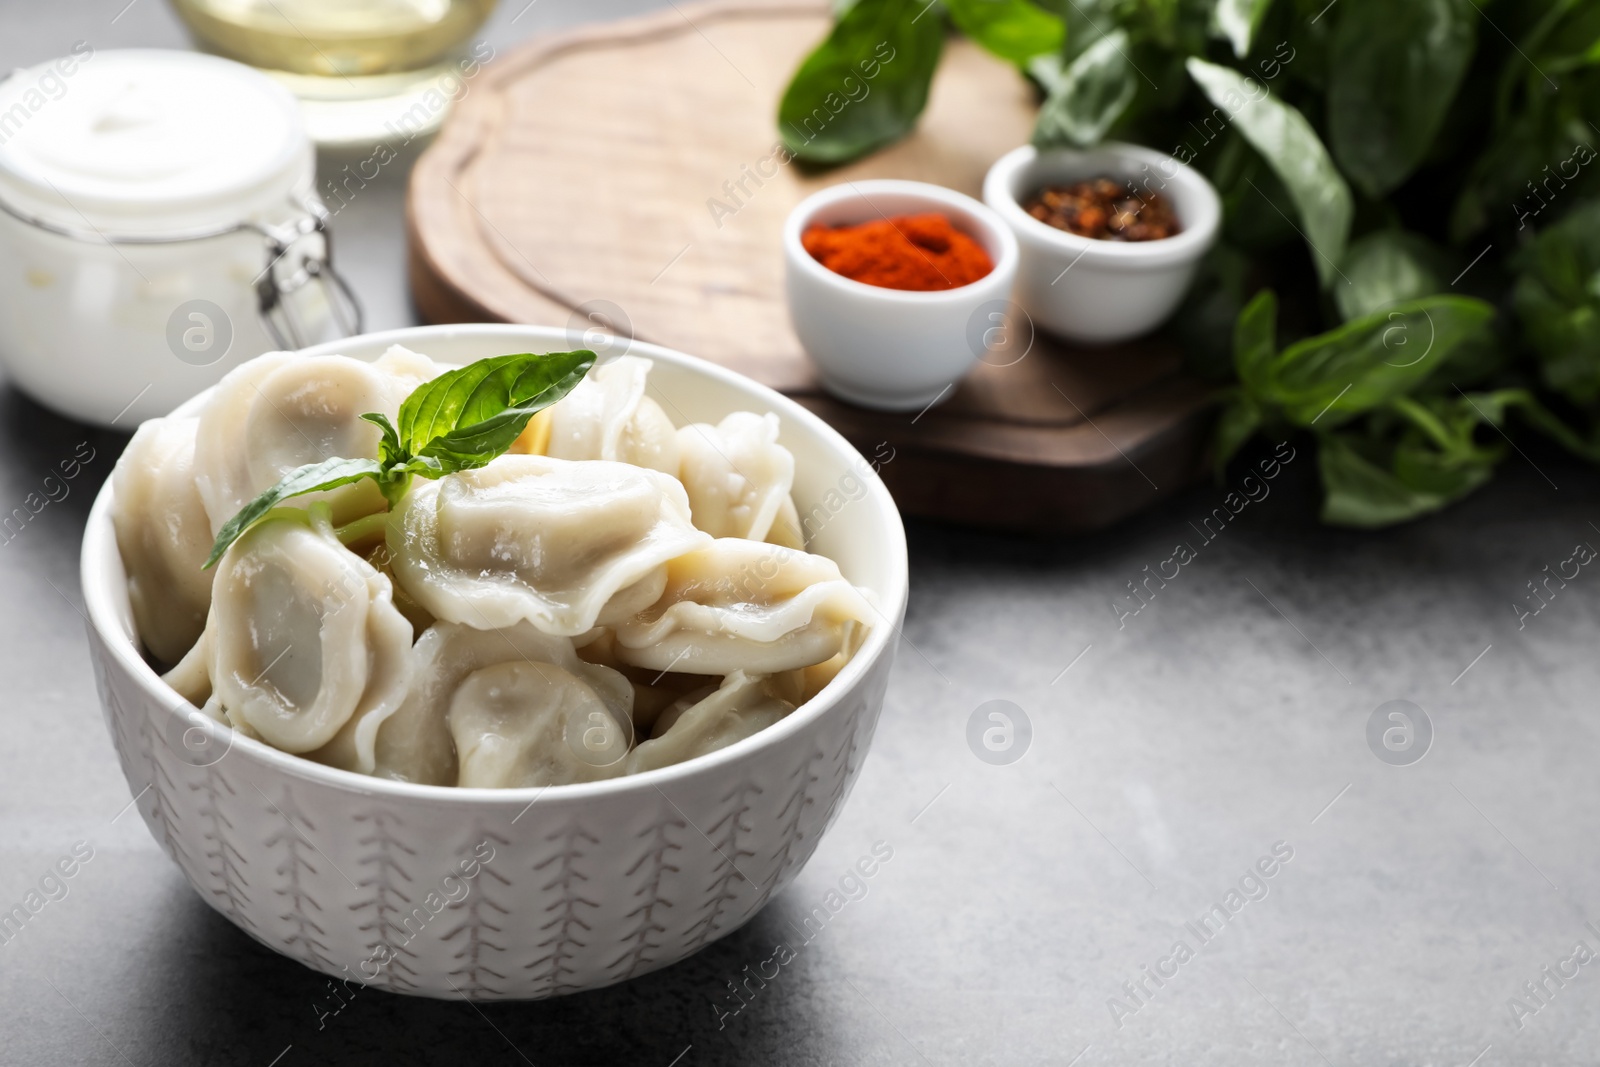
(148, 141)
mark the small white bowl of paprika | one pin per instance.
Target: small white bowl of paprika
(892, 287)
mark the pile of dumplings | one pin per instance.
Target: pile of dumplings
(613, 595)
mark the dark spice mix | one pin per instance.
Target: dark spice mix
(1104, 209)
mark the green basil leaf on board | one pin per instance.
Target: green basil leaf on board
(311, 478)
(1330, 378)
(1015, 30)
(1238, 20)
(1557, 298)
(866, 84)
(1296, 154)
(1386, 268)
(1089, 96)
(456, 403)
(1393, 70)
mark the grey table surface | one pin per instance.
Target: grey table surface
(1025, 906)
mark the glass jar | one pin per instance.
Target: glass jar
(158, 227)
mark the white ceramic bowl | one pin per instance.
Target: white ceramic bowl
(1092, 291)
(515, 893)
(888, 348)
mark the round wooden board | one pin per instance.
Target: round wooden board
(627, 173)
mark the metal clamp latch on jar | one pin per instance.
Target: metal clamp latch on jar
(274, 286)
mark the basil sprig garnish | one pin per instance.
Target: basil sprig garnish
(458, 421)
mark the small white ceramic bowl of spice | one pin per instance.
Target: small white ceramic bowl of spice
(939, 263)
(1106, 288)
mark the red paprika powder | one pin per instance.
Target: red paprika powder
(917, 252)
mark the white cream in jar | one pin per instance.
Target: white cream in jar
(157, 228)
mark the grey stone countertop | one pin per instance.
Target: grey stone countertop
(1064, 908)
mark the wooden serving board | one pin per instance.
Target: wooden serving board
(591, 166)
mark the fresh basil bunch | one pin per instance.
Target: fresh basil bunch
(1389, 167)
(458, 421)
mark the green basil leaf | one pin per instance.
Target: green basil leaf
(426, 466)
(473, 406)
(1203, 324)
(1545, 421)
(1428, 472)
(1571, 38)
(389, 450)
(1526, 160)
(1254, 345)
(1328, 379)
(1240, 419)
(312, 478)
(864, 86)
(1369, 484)
(1358, 492)
(1088, 96)
(475, 445)
(1255, 337)
(1014, 30)
(1292, 149)
(1557, 298)
(1238, 20)
(1386, 268)
(1087, 21)
(1249, 189)
(1393, 70)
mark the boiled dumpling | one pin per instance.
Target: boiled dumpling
(306, 647)
(737, 475)
(282, 411)
(653, 691)
(786, 529)
(417, 615)
(190, 678)
(416, 743)
(565, 545)
(389, 634)
(744, 605)
(164, 536)
(519, 723)
(710, 719)
(406, 370)
(607, 416)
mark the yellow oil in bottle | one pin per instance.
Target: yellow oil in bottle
(341, 57)
(334, 38)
